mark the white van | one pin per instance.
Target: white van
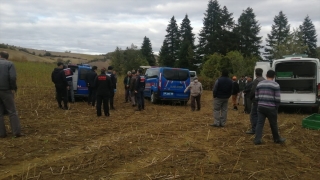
(298, 77)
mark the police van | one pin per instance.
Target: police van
(80, 72)
(298, 77)
(166, 83)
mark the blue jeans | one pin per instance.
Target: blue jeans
(254, 116)
(272, 114)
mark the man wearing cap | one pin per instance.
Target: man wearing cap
(103, 88)
(195, 93)
(114, 86)
(235, 92)
(126, 83)
(8, 87)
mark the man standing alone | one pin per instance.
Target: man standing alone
(104, 87)
(267, 96)
(8, 87)
(221, 93)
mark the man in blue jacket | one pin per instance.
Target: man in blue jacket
(221, 93)
(8, 87)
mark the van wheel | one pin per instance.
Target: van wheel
(153, 98)
(315, 109)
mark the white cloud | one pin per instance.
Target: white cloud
(99, 26)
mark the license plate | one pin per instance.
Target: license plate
(168, 93)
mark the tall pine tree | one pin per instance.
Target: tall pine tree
(309, 36)
(171, 44)
(279, 34)
(247, 31)
(186, 52)
(146, 50)
(216, 31)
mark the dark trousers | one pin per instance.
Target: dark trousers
(127, 95)
(247, 105)
(272, 114)
(92, 96)
(7, 104)
(193, 100)
(254, 116)
(102, 99)
(62, 95)
(140, 100)
(111, 99)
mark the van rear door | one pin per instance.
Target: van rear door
(174, 82)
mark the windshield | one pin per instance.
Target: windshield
(192, 73)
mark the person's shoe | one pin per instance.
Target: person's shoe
(198, 110)
(214, 125)
(138, 110)
(257, 142)
(18, 135)
(250, 132)
(107, 115)
(280, 140)
(133, 105)
(112, 108)
(235, 108)
(66, 108)
(192, 109)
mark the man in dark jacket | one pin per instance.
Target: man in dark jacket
(221, 93)
(103, 88)
(114, 86)
(68, 72)
(246, 92)
(90, 77)
(59, 79)
(254, 107)
(8, 87)
(126, 83)
(132, 88)
(139, 89)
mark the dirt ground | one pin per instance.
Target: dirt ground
(165, 141)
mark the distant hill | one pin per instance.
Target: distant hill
(34, 55)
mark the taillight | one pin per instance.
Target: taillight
(160, 81)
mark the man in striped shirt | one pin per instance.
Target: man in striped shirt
(267, 95)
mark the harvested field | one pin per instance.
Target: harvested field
(164, 141)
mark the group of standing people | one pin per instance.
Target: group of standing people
(134, 84)
(262, 95)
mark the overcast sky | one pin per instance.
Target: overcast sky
(99, 26)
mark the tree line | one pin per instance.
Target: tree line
(222, 42)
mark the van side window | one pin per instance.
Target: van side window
(152, 73)
(83, 73)
(176, 74)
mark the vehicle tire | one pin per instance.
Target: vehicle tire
(153, 98)
(315, 109)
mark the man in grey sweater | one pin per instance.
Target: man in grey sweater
(8, 87)
(195, 93)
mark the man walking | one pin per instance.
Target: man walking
(126, 83)
(254, 107)
(267, 96)
(59, 79)
(8, 87)
(221, 93)
(90, 77)
(110, 73)
(195, 93)
(103, 88)
(139, 88)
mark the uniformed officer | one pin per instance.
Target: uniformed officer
(103, 87)
(114, 86)
(139, 90)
